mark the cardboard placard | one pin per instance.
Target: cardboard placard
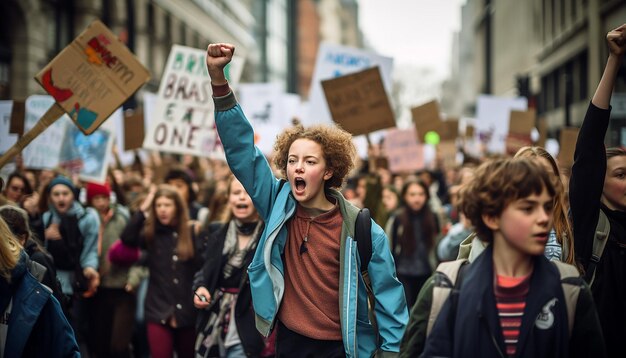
(516, 141)
(447, 152)
(404, 153)
(134, 130)
(426, 118)
(93, 76)
(542, 127)
(522, 122)
(469, 131)
(567, 141)
(449, 130)
(358, 102)
(18, 115)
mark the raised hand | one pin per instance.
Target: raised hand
(217, 57)
(617, 40)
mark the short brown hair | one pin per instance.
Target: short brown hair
(339, 151)
(497, 184)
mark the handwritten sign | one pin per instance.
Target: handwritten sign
(334, 61)
(521, 123)
(358, 102)
(567, 141)
(93, 76)
(426, 118)
(492, 120)
(404, 153)
(183, 120)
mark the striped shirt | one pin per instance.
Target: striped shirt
(510, 295)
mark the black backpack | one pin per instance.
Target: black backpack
(363, 237)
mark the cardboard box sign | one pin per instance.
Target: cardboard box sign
(93, 76)
(134, 130)
(18, 115)
(567, 141)
(449, 130)
(522, 122)
(426, 118)
(358, 102)
(404, 153)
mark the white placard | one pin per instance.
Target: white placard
(492, 120)
(183, 120)
(6, 139)
(43, 152)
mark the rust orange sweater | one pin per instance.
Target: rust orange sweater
(310, 303)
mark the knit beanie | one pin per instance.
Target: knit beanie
(94, 189)
(63, 181)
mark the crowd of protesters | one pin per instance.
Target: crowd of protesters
(260, 257)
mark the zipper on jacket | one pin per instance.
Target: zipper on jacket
(493, 337)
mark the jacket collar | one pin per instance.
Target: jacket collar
(544, 286)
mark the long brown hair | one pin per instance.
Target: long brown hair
(184, 242)
(406, 238)
(562, 226)
(9, 251)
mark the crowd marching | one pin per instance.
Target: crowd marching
(500, 257)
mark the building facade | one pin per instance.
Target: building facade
(551, 51)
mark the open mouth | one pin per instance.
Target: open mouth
(241, 206)
(300, 185)
(542, 236)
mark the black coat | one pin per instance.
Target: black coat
(475, 331)
(171, 278)
(586, 186)
(211, 278)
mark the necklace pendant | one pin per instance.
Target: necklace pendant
(303, 247)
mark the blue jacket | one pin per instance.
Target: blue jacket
(276, 205)
(37, 326)
(475, 331)
(89, 226)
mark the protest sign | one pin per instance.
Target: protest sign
(43, 152)
(335, 61)
(492, 120)
(183, 120)
(134, 131)
(263, 105)
(567, 143)
(449, 130)
(426, 119)
(94, 75)
(447, 153)
(404, 153)
(521, 124)
(8, 139)
(88, 155)
(17, 117)
(358, 102)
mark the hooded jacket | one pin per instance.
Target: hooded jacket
(276, 205)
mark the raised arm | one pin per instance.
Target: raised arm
(218, 56)
(616, 40)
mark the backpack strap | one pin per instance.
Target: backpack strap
(445, 280)
(570, 283)
(599, 242)
(363, 237)
(36, 269)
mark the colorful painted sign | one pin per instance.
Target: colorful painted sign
(93, 76)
